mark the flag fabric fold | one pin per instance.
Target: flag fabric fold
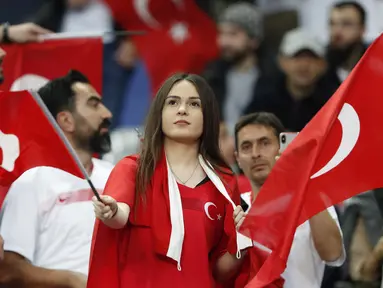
(336, 156)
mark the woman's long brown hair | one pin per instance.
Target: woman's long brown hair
(153, 142)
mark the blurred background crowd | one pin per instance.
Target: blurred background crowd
(287, 57)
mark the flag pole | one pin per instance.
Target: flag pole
(89, 34)
(65, 140)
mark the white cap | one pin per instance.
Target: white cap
(297, 40)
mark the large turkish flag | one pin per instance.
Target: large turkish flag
(336, 156)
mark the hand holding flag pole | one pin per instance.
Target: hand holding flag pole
(62, 136)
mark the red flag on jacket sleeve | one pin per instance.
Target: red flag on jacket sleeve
(180, 36)
(28, 140)
(336, 156)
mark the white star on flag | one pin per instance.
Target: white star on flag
(179, 32)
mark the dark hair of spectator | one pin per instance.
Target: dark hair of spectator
(356, 6)
(58, 94)
(153, 142)
(265, 119)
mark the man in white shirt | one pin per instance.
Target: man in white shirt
(318, 241)
(47, 217)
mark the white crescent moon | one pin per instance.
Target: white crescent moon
(206, 207)
(350, 123)
(142, 10)
(29, 82)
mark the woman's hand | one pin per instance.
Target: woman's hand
(106, 209)
(239, 216)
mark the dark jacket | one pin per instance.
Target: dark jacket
(215, 75)
(275, 98)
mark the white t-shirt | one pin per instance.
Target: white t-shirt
(304, 266)
(48, 218)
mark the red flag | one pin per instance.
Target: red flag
(30, 66)
(28, 140)
(336, 156)
(180, 36)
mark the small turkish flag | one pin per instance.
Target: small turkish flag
(336, 156)
(28, 140)
(180, 36)
(30, 66)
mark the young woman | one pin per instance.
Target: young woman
(168, 217)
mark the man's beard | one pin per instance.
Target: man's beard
(99, 143)
(337, 56)
(236, 57)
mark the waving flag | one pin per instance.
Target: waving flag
(28, 140)
(335, 157)
(180, 36)
(30, 66)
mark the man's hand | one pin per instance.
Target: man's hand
(1, 248)
(126, 54)
(27, 32)
(369, 268)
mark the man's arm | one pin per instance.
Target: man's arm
(20, 229)
(18, 272)
(326, 236)
(22, 33)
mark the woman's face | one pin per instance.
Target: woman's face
(182, 118)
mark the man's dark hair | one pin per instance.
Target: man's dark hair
(266, 119)
(356, 6)
(58, 94)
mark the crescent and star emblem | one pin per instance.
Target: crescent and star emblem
(29, 82)
(206, 207)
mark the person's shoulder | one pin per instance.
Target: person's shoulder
(37, 175)
(226, 174)
(127, 166)
(33, 182)
(103, 164)
(130, 161)
(215, 69)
